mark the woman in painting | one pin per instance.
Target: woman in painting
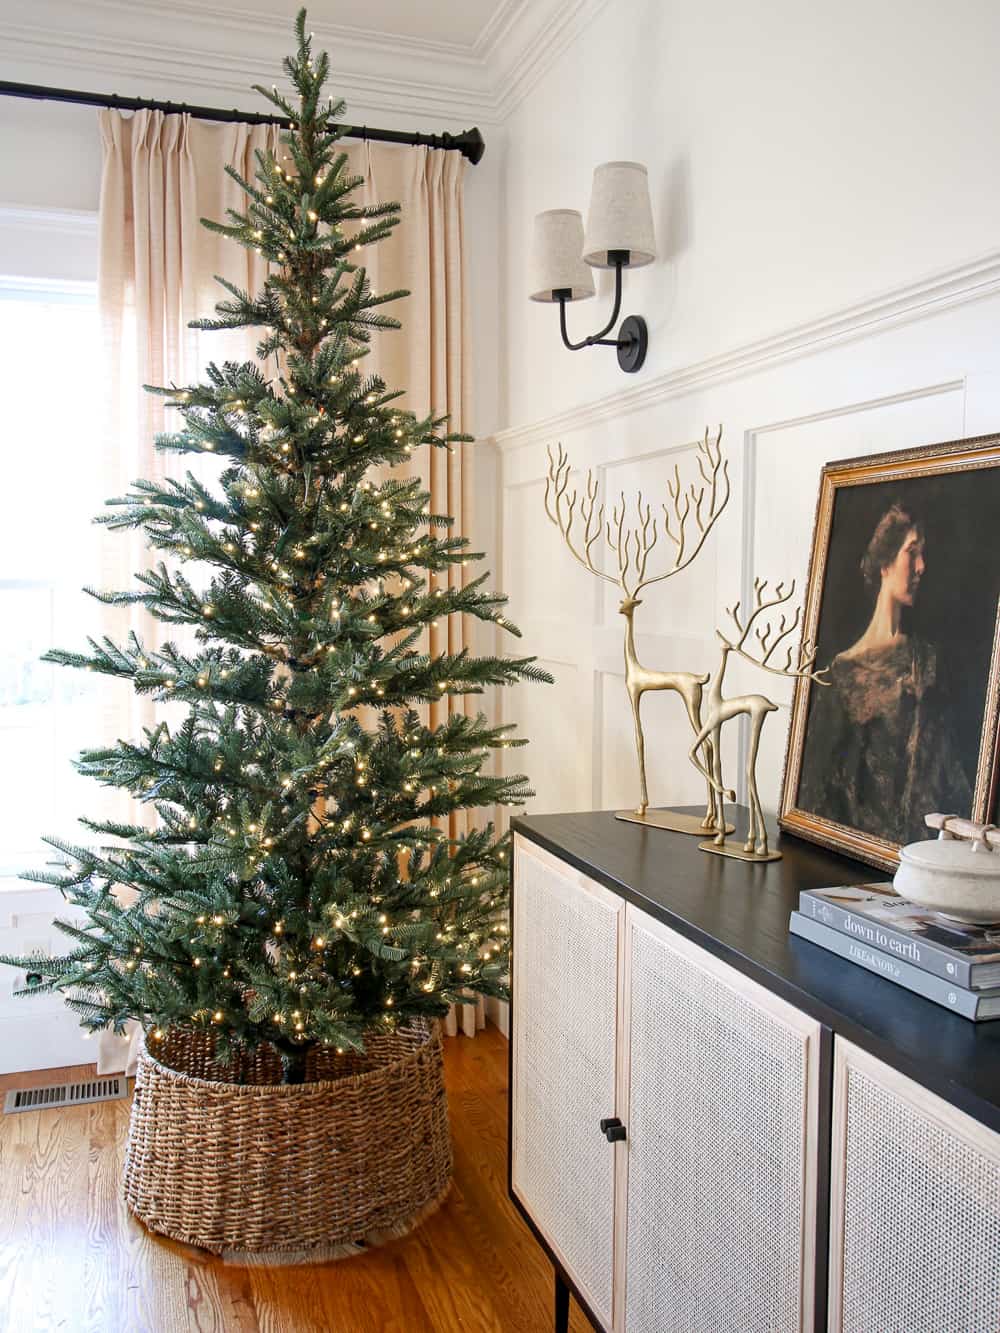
(882, 755)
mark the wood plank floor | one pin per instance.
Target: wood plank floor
(72, 1258)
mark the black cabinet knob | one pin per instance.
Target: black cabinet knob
(613, 1129)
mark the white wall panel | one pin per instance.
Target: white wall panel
(888, 386)
(789, 455)
(557, 719)
(542, 580)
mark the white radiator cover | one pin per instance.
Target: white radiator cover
(36, 1032)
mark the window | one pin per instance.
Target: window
(49, 549)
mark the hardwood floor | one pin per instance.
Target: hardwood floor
(72, 1258)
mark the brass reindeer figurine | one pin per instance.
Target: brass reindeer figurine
(631, 546)
(754, 706)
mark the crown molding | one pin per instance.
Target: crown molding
(182, 50)
(370, 79)
(497, 30)
(277, 27)
(534, 38)
(943, 290)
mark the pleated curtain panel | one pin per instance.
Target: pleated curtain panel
(161, 175)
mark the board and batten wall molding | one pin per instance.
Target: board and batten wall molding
(915, 366)
(943, 290)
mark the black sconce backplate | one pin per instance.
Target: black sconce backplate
(633, 339)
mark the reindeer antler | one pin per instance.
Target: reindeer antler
(705, 503)
(562, 511)
(632, 544)
(770, 637)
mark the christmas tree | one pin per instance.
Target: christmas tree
(293, 884)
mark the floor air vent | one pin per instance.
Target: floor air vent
(65, 1094)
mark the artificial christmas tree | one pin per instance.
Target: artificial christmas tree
(295, 901)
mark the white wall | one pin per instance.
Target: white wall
(825, 200)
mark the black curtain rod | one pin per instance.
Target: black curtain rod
(469, 143)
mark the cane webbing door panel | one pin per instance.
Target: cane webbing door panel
(915, 1207)
(723, 1102)
(565, 977)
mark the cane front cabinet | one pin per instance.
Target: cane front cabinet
(696, 1145)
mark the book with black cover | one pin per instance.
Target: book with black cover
(965, 955)
(977, 1005)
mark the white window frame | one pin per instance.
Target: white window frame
(43, 251)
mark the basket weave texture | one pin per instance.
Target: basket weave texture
(357, 1154)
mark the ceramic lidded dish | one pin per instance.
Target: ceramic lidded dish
(956, 878)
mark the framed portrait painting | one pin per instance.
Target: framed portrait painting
(902, 604)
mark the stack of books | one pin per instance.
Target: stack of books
(955, 965)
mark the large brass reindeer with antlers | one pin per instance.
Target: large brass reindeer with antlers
(688, 517)
(772, 641)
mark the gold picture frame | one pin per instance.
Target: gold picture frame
(873, 785)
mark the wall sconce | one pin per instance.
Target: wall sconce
(619, 235)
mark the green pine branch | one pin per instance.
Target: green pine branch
(292, 879)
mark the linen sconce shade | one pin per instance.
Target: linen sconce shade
(620, 216)
(556, 263)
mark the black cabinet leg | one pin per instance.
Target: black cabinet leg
(562, 1305)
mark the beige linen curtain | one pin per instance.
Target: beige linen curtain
(429, 358)
(161, 175)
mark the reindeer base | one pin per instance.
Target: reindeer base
(670, 820)
(736, 852)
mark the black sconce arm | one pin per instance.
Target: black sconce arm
(596, 339)
(632, 338)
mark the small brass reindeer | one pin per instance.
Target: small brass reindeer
(631, 546)
(770, 639)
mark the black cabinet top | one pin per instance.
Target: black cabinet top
(739, 912)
